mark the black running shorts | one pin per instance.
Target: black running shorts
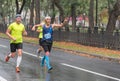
(14, 46)
(40, 43)
(46, 46)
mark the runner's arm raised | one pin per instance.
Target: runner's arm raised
(59, 25)
(33, 28)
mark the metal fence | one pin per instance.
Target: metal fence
(99, 39)
(90, 39)
(3, 28)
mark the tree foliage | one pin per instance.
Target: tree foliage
(62, 8)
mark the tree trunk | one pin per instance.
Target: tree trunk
(73, 15)
(24, 19)
(113, 17)
(108, 6)
(31, 12)
(91, 15)
(112, 21)
(60, 9)
(22, 6)
(53, 11)
(37, 11)
(19, 9)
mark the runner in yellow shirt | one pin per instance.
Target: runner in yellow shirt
(15, 32)
(39, 30)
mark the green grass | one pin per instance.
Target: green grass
(88, 49)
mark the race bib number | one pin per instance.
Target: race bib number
(47, 36)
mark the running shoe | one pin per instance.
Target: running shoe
(38, 52)
(7, 58)
(17, 69)
(50, 69)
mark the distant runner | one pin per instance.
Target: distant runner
(39, 30)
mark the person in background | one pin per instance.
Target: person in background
(39, 30)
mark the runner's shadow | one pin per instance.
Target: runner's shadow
(48, 77)
(44, 74)
(18, 77)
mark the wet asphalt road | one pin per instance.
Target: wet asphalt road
(66, 67)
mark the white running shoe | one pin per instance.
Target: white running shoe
(38, 52)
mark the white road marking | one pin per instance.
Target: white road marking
(3, 46)
(2, 79)
(30, 54)
(92, 72)
(103, 75)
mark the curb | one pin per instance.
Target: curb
(90, 55)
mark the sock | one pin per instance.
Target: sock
(19, 59)
(42, 61)
(10, 55)
(47, 60)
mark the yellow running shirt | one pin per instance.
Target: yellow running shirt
(16, 31)
(41, 32)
